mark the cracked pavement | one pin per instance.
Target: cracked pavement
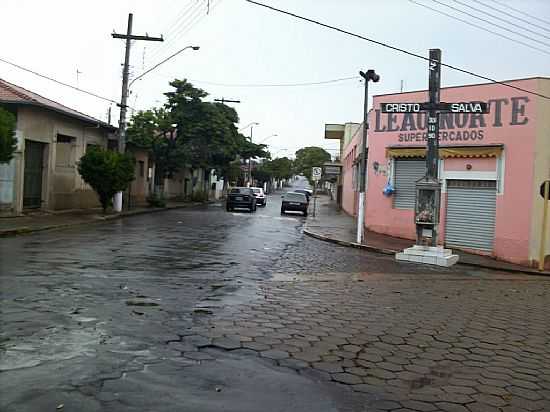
(204, 310)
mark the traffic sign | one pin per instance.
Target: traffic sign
(316, 173)
(458, 107)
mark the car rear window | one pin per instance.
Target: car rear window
(241, 190)
(295, 197)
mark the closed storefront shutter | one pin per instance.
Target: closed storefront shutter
(471, 208)
(406, 173)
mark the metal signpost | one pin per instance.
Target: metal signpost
(316, 174)
(429, 187)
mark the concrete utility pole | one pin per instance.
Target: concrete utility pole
(250, 159)
(369, 75)
(125, 73)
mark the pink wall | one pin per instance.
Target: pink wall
(511, 122)
(349, 196)
(482, 164)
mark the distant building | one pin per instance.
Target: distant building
(51, 139)
(491, 168)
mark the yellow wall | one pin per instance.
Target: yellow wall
(541, 173)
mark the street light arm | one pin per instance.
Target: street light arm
(164, 61)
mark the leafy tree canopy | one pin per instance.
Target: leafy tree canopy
(8, 142)
(309, 157)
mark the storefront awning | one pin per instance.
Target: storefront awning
(445, 151)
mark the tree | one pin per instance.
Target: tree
(153, 130)
(107, 172)
(8, 142)
(309, 157)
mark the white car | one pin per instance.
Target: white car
(261, 198)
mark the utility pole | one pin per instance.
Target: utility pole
(125, 74)
(369, 75)
(223, 100)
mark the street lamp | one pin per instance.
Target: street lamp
(268, 137)
(370, 75)
(164, 61)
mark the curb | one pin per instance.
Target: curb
(393, 252)
(25, 230)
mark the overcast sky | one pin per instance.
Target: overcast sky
(244, 44)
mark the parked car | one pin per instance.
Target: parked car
(241, 197)
(261, 198)
(305, 192)
(294, 202)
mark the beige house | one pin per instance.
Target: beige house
(51, 139)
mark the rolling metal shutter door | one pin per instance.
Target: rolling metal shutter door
(406, 173)
(470, 220)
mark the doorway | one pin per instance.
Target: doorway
(34, 166)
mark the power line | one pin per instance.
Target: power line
(397, 49)
(501, 19)
(480, 27)
(521, 12)
(513, 16)
(276, 84)
(58, 81)
(493, 23)
(181, 19)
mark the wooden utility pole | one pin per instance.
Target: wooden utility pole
(125, 74)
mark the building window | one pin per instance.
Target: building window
(112, 145)
(405, 174)
(141, 165)
(62, 138)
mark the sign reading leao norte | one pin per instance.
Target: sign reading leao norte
(460, 107)
(454, 127)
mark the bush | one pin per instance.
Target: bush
(107, 172)
(154, 200)
(199, 196)
(8, 142)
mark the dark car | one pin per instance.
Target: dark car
(294, 202)
(241, 197)
(305, 192)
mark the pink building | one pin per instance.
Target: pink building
(491, 167)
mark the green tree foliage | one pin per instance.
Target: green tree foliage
(152, 130)
(206, 134)
(279, 168)
(8, 142)
(107, 172)
(309, 157)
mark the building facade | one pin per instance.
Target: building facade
(51, 139)
(491, 167)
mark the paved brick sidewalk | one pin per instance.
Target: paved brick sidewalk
(434, 342)
(334, 225)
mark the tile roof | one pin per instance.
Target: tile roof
(11, 93)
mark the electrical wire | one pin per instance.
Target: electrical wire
(481, 27)
(184, 17)
(493, 23)
(58, 81)
(342, 79)
(456, 68)
(513, 16)
(521, 12)
(501, 19)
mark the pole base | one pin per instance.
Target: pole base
(429, 255)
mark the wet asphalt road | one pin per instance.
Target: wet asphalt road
(120, 316)
(84, 306)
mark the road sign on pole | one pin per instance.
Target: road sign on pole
(316, 173)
